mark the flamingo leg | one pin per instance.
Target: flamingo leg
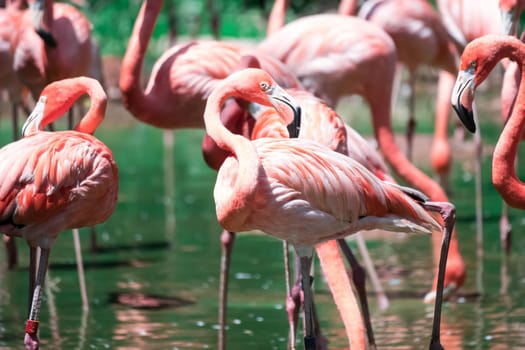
(290, 304)
(80, 269)
(358, 277)
(31, 340)
(227, 241)
(448, 213)
(14, 113)
(411, 124)
(505, 229)
(12, 253)
(32, 275)
(305, 257)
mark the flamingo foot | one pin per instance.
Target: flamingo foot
(31, 342)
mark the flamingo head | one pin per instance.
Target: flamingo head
(256, 85)
(477, 61)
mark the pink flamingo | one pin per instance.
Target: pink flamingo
(55, 46)
(303, 192)
(421, 39)
(9, 18)
(336, 55)
(477, 61)
(323, 125)
(55, 181)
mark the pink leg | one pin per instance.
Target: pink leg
(505, 229)
(411, 124)
(31, 340)
(227, 240)
(12, 253)
(359, 279)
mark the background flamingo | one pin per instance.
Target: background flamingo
(55, 181)
(300, 207)
(336, 55)
(421, 40)
(9, 82)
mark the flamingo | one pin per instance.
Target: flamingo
(303, 192)
(56, 47)
(421, 39)
(477, 61)
(53, 181)
(9, 18)
(336, 55)
(322, 124)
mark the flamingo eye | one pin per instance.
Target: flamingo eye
(472, 66)
(264, 86)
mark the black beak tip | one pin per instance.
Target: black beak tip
(295, 126)
(47, 37)
(466, 116)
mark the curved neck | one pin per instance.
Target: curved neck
(241, 148)
(504, 178)
(133, 97)
(60, 96)
(347, 7)
(277, 16)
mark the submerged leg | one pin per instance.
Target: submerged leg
(31, 340)
(448, 213)
(227, 240)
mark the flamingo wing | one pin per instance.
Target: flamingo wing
(305, 189)
(54, 175)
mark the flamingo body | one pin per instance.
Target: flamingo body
(51, 180)
(36, 63)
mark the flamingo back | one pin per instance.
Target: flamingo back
(50, 180)
(305, 188)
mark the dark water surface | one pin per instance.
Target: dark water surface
(163, 241)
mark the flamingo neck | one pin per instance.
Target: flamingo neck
(232, 205)
(347, 7)
(277, 16)
(504, 176)
(133, 96)
(60, 96)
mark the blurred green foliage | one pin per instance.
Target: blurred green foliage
(113, 20)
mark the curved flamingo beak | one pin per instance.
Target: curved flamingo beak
(32, 123)
(284, 104)
(462, 98)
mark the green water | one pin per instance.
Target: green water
(167, 245)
